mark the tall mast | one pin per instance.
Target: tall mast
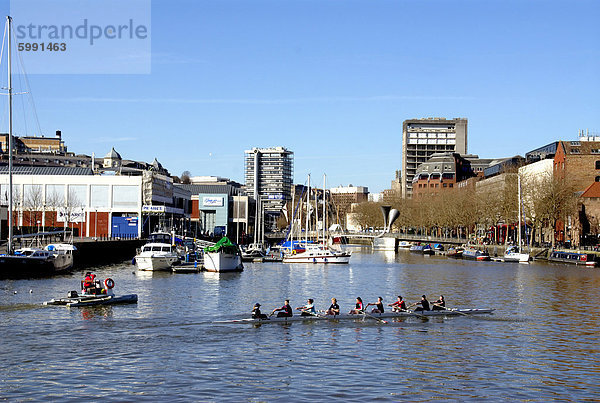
(10, 142)
(324, 215)
(519, 194)
(307, 212)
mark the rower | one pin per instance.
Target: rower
(378, 305)
(424, 304)
(334, 308)
(358, 308)
(284, 311)
(256, 314)
(439, 305)
(308, 309)
(399, 305)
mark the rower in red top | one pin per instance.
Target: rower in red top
(284, 311)
(399, 305)
(359, 307)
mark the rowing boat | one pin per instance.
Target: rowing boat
(94, 300)
(453, 312)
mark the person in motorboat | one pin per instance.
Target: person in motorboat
(88, 285)
(284, 311)
(439, 305)
(256, 314)
(378, 305)
(308, 309)
(399, 305)
(424, 304)
(334, 308)
(358, 308)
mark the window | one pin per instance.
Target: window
(597, 178)
(450, 185)
(597, 164)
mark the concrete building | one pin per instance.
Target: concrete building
(421, 138)
(218, 209)
(269, 175)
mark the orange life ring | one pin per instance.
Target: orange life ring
(109, 283)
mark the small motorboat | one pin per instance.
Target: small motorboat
(100, 293)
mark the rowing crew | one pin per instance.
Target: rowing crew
(334, 309)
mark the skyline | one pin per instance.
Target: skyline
(335, 85)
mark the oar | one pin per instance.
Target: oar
(418, 315)
(374, 317)
(452, 310)
(316, 314)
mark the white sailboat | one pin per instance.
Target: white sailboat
(515, 253)
(320, 252)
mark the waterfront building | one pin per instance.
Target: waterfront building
(421, 138)
(343, 197)
(58, 197)
(218, 209)
(578, 162)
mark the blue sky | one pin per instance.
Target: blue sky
(333, 81)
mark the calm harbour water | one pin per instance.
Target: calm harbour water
(540, 344)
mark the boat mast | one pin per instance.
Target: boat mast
(307, 213)
(519, 200)
(324, 215)
(293, 219)
(10, 142)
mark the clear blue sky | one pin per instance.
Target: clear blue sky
(333, 80)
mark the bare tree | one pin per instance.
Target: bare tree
(186, 177)
(33, 204)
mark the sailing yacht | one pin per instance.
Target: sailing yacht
(319, 252)
(514, 253)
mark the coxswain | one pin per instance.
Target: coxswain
(308, 309)
(424, 304)
(439, 305)
(378, 305)
(284, 311)
(334, 308)
(359, 307)
(256, 314)
(399, 305)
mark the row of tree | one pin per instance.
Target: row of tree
(546, 200)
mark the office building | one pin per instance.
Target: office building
(421, 138)
(269, 175)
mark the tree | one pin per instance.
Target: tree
(368, 214)
(186, 177)
(33, 204)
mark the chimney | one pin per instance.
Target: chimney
(58, 134)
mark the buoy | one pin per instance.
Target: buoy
(15, 292)
(31, 291)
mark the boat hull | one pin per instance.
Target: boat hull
(222, 262)
(94, 300)
(385, 315)
(342, 258)
(155, 263)
(15, 267)
(517, 257)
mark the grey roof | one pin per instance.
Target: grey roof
(113, 154)
(41, 170)
(209, 189)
